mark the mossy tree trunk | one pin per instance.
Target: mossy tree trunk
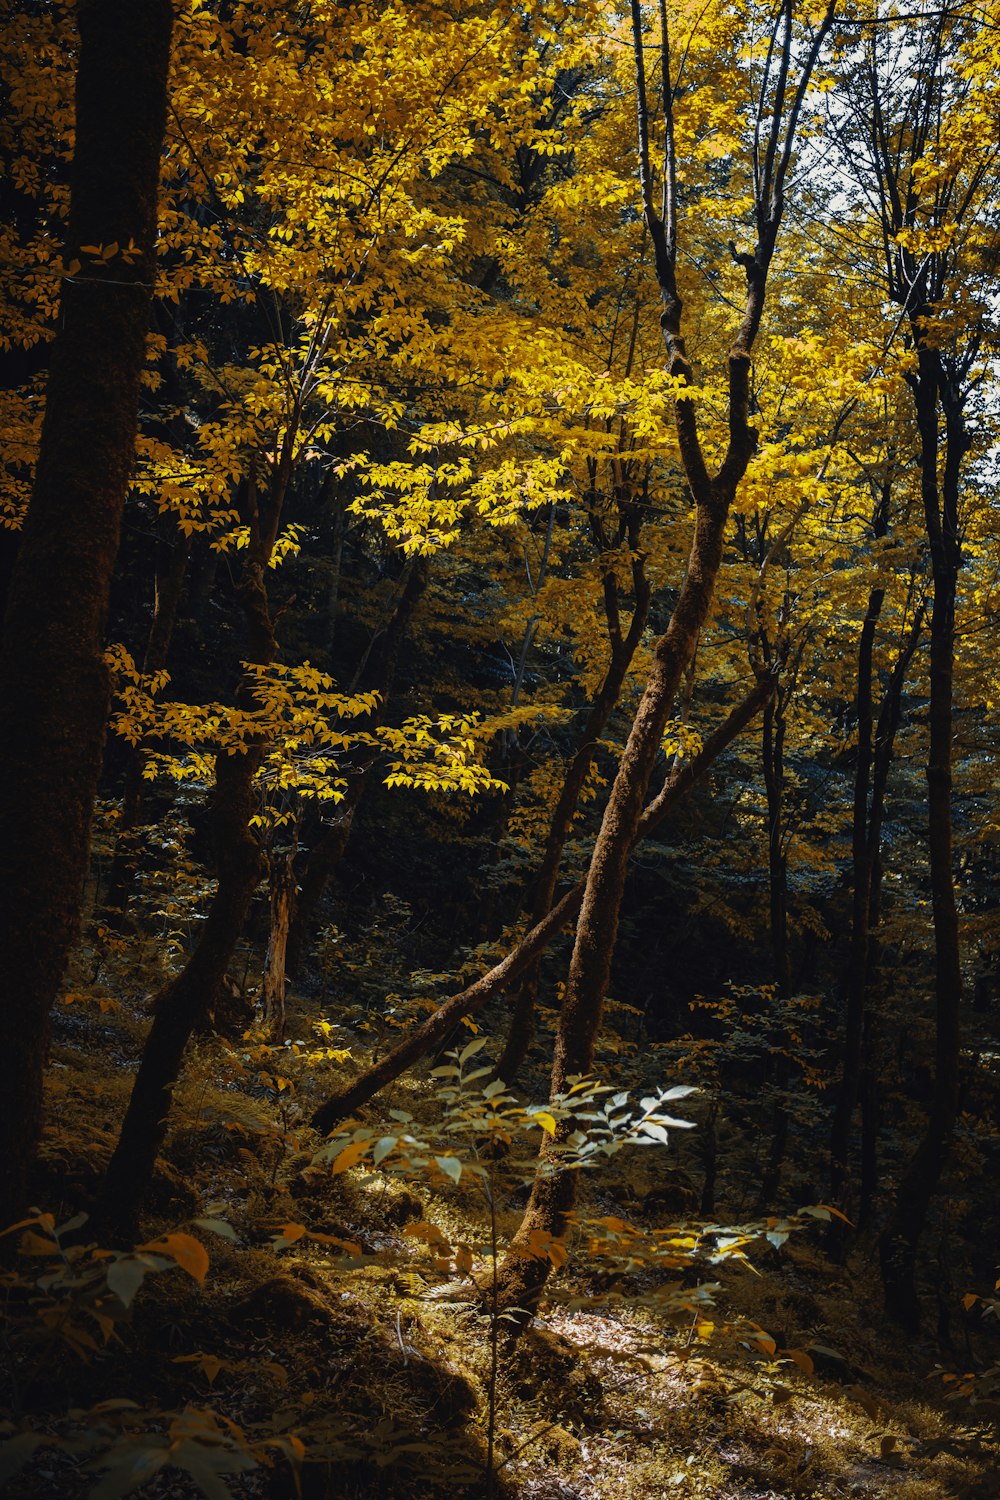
(53, 683)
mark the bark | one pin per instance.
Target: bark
(900, 1240)
(623, 649)
(281, 883)
(523, 1275)
(184, 1003)
(432, 1032)
(53, 684)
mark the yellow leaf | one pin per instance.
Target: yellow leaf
(292, 1232)
(349, 1157)
(187, 1252)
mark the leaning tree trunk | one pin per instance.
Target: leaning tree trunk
(900, 1239)
(53, 684)
(432, 1032)
(623, 649)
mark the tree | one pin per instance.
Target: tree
(552, 1196)
(54, 682)
(929, 177)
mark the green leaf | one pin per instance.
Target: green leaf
(218, 1226)
(470, 1049)
(386, 1144)
(450, 1166)
(124, 1278)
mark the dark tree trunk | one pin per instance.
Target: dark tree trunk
(186, 999)
(871, 781)
(773, 758)
(900, 1239)
(53, 684)
(857, 968)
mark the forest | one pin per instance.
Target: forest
(499, 835)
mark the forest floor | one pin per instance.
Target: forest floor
(345, 1318)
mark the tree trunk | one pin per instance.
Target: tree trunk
(281, 882)
(773, 756)
(900, 1239)
(523, 1274)
(861, 870)
(53, 684)
(436, 1028)
(871, 775)
(623, 649)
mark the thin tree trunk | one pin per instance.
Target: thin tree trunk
(432, 1032)
(281, 885)
(875, 753)
(900, 1239)
(523, 1274)
(773, 756)
(857, 969)
(623, 649)
(53, 683)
